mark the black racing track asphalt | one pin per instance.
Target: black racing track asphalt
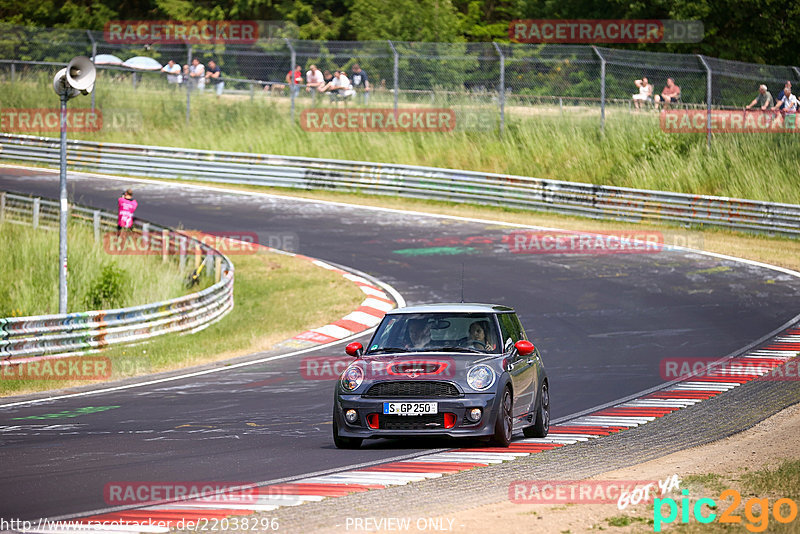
(603, 324)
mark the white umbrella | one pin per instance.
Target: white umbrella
(107, 59)
(142, 63)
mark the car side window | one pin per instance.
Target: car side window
(510, 329)
(518, 326)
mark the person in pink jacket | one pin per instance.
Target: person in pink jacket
(126, 206)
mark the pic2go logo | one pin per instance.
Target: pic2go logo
(756, 511)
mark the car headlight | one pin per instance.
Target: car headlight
(480, 377)
(352, 378)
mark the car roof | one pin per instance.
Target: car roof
(459, 307)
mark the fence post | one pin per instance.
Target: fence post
(291, 69)
(396, 74)
(188, 84)
(795, 69)
(218, 269)
(182, 248)
(2, 205)
(13, 71)
(602, 88)
(211, 264)
(502, 93)
(708, 100)
(146, 235)
(36, 205)
(94, 55)
(164, 245)
(96, 225)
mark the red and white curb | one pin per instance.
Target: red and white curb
(606, 421)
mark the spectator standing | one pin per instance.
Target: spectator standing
(645, 92)
(185, 79)
(327, 77)
(214, 77)
(197, 73)
(782, 94)
(763, 99)
(360, 82)
(126, 206)
(173, 72)
(297, 76)
(332, 87)
(671, 93)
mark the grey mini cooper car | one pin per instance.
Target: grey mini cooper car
(458, 370)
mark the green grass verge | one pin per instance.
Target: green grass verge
(633, 152)
(275, 297)
(96, 280)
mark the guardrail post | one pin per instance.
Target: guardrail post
(603, 89)
(502, 93)
(396, 74)
(146, 235)
(2, 205)
(96, 225)
(708, 100)
(218, 269)
(164, 245)
(37, 202)
(211, 264)
(291, 69)
(182, 248)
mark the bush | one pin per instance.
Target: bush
(107, 290)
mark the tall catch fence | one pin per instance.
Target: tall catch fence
(489, 80)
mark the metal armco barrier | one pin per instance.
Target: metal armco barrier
(597, 201)
(25, 339)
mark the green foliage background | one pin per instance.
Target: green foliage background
(758, 31)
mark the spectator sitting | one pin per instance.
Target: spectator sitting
(197, 74)
(763, 100)
(645, 92)
(360, 80)
(788, 109)
(670, 93)
(214, 77)
(173, 72)
(333, 87)
(297, 76)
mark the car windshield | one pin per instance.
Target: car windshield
(450, 332)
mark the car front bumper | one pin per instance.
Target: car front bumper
(487, 402)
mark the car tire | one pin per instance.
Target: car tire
(504, 424)
(342, 442)
(541, 425)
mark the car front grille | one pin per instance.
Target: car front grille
(413, 388)
(409, 422)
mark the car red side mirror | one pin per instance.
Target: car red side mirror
(524, 347)
(355, 349)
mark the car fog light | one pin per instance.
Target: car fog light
(351, 416)
(474, 415)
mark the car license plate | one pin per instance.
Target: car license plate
(410, 408)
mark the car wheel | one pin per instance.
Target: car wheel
(541, 426)
(342, 442)
(505, 422)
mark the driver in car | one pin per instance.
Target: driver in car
(478, 336)
(419, 334)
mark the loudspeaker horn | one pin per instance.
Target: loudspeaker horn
(81, 74)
